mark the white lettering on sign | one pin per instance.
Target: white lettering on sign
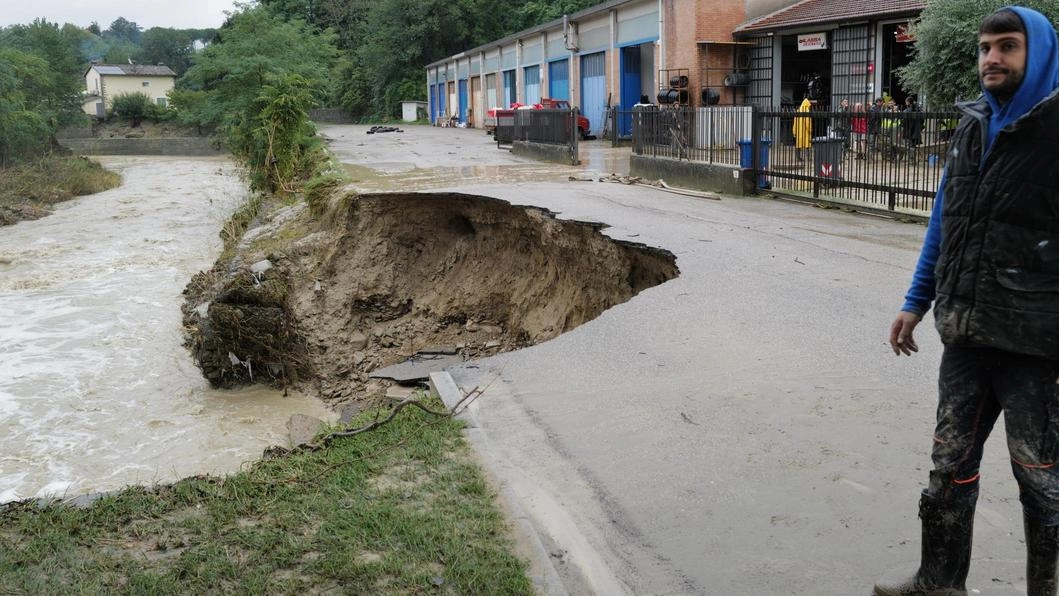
(812, 41)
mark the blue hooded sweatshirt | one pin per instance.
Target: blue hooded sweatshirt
(1041, 80)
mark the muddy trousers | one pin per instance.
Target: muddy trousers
(976, 385)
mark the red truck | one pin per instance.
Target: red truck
(552, 104)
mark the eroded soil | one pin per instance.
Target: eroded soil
(383, 276)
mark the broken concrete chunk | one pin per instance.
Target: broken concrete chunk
(359, 357)
(302, 429)
(400, 393)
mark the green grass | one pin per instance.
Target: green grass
(398, 510)
(28, 191)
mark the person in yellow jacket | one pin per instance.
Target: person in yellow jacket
(802, 129)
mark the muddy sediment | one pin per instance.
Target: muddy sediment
(393, 274)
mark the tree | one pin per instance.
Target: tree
(171, 47)
(122, 30)
(280, 143)
(23, 131)
(254, 44)
(56, 93)
(946, 34)
(255, 84)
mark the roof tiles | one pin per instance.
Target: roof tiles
(141, 70)
(809, 12)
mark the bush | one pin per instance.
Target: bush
(137, 107)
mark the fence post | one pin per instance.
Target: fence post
(756, 127)
(575, 134)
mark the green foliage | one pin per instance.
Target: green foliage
(254, 44)
(22, 130)
(122, 30)
(945, 63)
(168, 46)
(137, 107)
(186, 104)
(255, 85)
(55, 93)
(40, 87)
(278, 139)
(29, 191)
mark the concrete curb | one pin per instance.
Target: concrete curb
(545, 577)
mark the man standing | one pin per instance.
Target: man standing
(990, 265)
(875, 114)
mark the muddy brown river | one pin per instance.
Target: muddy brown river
(96, 390)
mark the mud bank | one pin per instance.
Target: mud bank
(381, 277)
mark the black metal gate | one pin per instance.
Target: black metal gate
(894, 165)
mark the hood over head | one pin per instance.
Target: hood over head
(1042, 71)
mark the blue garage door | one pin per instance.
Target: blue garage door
(630, 87)
(432, 107)
(594, 89)
(559, 79)
(532, 76)
(441, 101)
(463, 100)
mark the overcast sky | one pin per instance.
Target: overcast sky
(178, 14)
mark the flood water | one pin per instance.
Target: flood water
(96, 390)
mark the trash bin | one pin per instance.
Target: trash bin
(746, 158)
(827, 157)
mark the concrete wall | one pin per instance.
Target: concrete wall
(729, 180)
(551, 153)
(193, 146)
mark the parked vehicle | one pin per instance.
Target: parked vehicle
(551, 104)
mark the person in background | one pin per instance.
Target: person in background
(913, 124)
(841, 123)
(990, 266)
(802, 129)
(858, 125)
(875, 114)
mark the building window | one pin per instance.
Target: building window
(160, 101)
(146, 83)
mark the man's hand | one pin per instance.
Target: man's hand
(901, 339)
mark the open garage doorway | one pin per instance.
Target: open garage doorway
(897, 45)
(805, 70)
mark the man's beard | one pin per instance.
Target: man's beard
(1005, 89)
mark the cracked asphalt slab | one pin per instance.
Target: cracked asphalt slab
(741, 429)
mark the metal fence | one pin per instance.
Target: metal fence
(710, 135)
(546, 126)
(886, 160)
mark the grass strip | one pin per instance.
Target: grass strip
(29, 191)
(402, 509)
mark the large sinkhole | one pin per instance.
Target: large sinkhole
(405, 274)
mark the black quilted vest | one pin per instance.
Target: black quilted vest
(998, 272)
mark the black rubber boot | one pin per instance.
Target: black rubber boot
(1042, 553)
(946, 553)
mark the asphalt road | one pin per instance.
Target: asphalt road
(742, 429)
